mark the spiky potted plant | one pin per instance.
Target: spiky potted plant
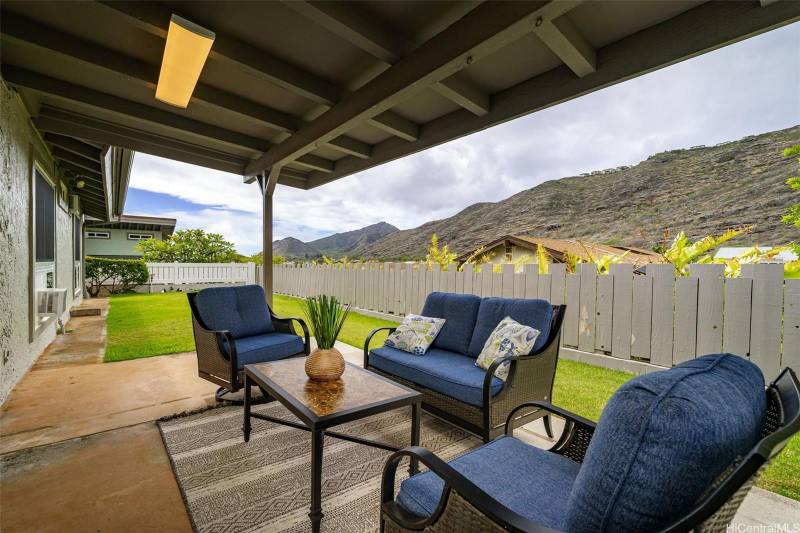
(326, 315)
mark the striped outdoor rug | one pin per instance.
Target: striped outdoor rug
(264, 485)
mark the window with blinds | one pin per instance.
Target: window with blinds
(44, 220)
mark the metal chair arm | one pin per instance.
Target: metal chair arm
(369, 339)
(453, 481)
(576, 437)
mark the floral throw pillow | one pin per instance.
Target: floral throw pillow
(509, 338)
(415, 334)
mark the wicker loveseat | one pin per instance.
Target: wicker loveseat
(233, 327)
(457, 390)
(676, 450)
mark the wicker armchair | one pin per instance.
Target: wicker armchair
(464, 506)
(530, 378)
(218, 358)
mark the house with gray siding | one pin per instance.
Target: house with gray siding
(50, 186)
(119, 238)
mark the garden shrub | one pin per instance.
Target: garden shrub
(117, 275)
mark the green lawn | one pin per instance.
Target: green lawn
(144, 325)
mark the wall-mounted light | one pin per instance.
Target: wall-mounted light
(80, 184)
(185, 54)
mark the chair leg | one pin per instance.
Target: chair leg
(221, 392)
(547, 427)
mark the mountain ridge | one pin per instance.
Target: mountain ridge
(642, 205)
(336, 245)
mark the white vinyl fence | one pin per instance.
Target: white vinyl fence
(655, 318)
(200, 273)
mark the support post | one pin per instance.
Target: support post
(267, 182)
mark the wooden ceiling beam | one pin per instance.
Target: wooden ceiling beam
(153, 18)
(396, 125)
(564, 39)
(361, 29)
(482, 31)
(77, 161)
(73, 145)
(27, 31)
(648, 50)
(350, 146)
(286, 171)
(61, 89)
(292, 181)
(75, 125)
(89, 193)
(315, 163)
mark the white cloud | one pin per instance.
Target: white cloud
(746, 88)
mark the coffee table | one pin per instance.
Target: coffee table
(320, 405)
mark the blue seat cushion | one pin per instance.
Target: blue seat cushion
(241, 310)
(460, 312)
(448, 373)
(530, 481)
(267, 347)
(537, 314)
(663, 439)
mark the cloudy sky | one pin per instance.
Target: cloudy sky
(747, 88)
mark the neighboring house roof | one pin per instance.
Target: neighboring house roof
(137, 222)
(729, 252)
(558, 248)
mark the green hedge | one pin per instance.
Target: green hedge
(117, 275)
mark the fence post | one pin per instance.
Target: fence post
(765, 325)
(791, 325)
(661, 340)
(175, 273)
(621, 313)
(251, 273)
(586, 310)
(710, 291)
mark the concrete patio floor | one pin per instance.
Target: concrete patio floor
(81, 450)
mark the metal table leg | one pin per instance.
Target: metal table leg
(246, 425)
(317, 437)
(413, 465)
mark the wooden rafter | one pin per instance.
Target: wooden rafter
(353, 24)
(482, 31)
(564, 39)
(154, 18)
(658, 46)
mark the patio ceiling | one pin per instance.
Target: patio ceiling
(310, 92)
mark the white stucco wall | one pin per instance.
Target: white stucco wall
(19, 146)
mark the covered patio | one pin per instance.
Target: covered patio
(297, 94)
(99, 462)
(335, 88)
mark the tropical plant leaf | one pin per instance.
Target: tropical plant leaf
(682, 251)
(326, 316)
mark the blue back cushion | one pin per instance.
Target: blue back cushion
(534, 313)
(459, 312)
(241, 310)
(662, 440)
